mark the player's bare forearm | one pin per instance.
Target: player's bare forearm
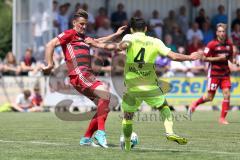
(107, 38)
(113, 36)
(50, 50)
(214, 59)
(108, 46)
(181, 57)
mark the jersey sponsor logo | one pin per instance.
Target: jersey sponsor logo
(141, 73)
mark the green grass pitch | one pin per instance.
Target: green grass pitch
(43, 136)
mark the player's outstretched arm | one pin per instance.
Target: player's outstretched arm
(214, 59)
(108, 46)
(112, 36)
(49, 55)
(181, 57)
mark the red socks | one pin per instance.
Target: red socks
(225, 108)
(98, 121)
(196, 103)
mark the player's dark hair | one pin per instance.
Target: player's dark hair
(137, 24)
(81, 13)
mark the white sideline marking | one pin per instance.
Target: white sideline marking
(35, 142)
(137, 148)
(188, 151)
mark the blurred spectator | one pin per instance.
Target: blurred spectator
(118, 64)
(23, 102)
(90, 15)
(235, 69)
(151, 32)
(162, 65)
(58, 57)
(183, 19)
(179, 39)
(156, 24)
(180, 68)
(41, 30)
(105, 29)
(102, 15)
(101, 63)
(169, 22)
(138, 14)
(29, 65)
(10, 66)
(55, 22)
(236, 35)
(194, 31)
(36, 99)
(118, 17)
(237, 19)
(220, 17)
(77, 7)
(201, 18)
(90, 31)
(199, 68)
(195, 45)
(168, 42)
(208, 33)
(62, 17)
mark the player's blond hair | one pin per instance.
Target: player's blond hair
(223, 25)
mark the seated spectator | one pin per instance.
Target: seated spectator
(199, 67)
(102, 15)
(105, 29)
(201, 18)
(162, 65)
(183, 19)
(180, 69)
(76, 8)
(62, 17)
(101, 63)
(195, 45)
(10, 66)
(235, 68)
(208, 33)
(179, 38)
(237, 19)
(91, 18)
(28, 64)
(138, 14)
(194, 31)
(156, 23)
(118, 17)
(118, 64)
(23, 102)
(169, 22)
(36, 99)
(221, 17)
(90, 31)
(169, 42)
(236, 35)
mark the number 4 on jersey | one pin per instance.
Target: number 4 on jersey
(140, 58)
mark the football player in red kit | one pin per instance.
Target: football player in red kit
(218, 52)
(78, 61)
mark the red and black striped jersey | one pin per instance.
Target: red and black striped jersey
(213, 49)
(76, 51)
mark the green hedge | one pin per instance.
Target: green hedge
(5, 28)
